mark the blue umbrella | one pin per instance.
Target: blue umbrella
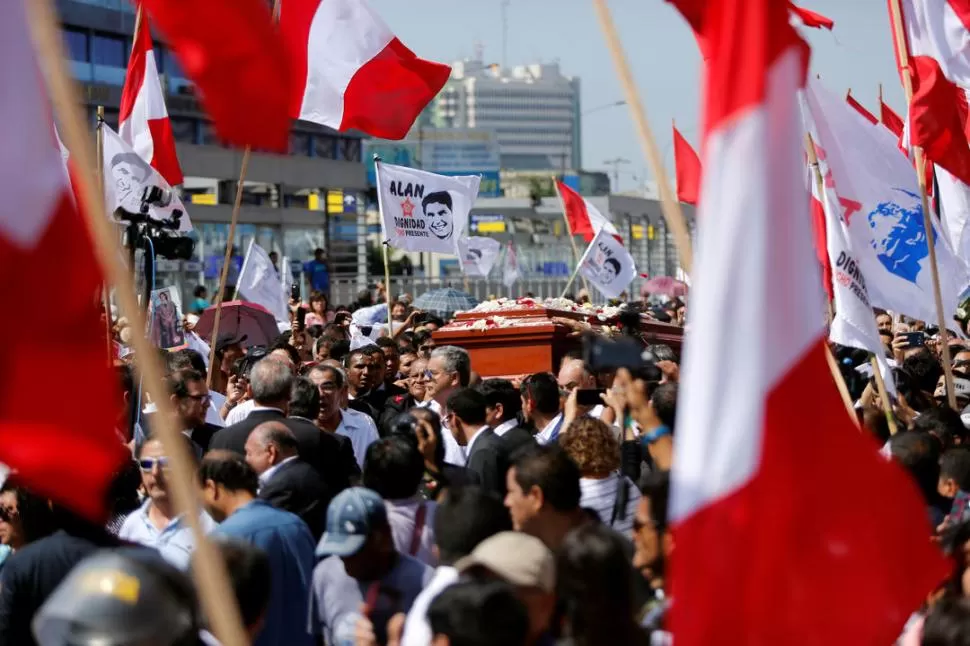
(445, 302)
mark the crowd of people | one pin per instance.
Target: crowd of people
(378, 491)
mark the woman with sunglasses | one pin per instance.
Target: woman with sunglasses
(24, 517)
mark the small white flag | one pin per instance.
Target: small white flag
(286, 277)
(608, 265)
(127, 175)
(478, 255)
(422, 211)
(258, 283)
(511, 273)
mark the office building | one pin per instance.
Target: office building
(534, 110)
(286, 196)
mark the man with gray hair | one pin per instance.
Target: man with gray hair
(269, 387)
(449, 369)
(286, 481)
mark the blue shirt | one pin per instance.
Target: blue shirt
(288, 544)
(174, 541)
(318, 274)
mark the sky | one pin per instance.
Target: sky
(660, 49)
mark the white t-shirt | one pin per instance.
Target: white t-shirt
(600, 496)
(402, 517)
(417, 630)
(240, 412)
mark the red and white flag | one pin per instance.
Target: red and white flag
(769, 549)
(584, 218)
(45, 248)
(510, 272)
(143, 119)
(938, 37)
(687, 166)
(351, 71)
(236, 57)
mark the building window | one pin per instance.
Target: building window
(109, 51)
(348, 149)
(76, 42)
(171, 66)
(209, 136)
(323, 146)
(184, 129)
(299, 143)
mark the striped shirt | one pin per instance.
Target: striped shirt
(600, 496)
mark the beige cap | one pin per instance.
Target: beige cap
(517, 558)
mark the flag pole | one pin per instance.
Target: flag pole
(385, 245)
(569, 231)
(887, 405)
(579, 264)
(668, 200)
(227, 258)
(99, 180)
(833, 366)
(242, 270)
(896, 18)
(209, 571)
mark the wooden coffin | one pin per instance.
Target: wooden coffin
(515, 342)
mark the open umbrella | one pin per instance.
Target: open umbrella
(239, 318)
(664, 285)
(445, 302)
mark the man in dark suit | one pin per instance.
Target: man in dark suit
(339, 469)
(286, 481)
(190, 399)
(465, 413)
(270, 386)
(503, 403)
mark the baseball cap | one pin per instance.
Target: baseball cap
(351, 516)
(517, 558)
(227, 341)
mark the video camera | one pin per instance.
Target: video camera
(604, 355)
(166, 241)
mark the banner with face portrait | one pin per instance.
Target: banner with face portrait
(127, 175)
(608, 265)
(422, 211)
(478, 255)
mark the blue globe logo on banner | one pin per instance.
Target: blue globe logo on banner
(898, 236)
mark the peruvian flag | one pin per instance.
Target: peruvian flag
(45, 248)
(351, 71)
(237, 59)
(890, 119)
(584, 218)
(688, 169)
(768, 546)
(861, 109)
(939, 45)
(810, 18)
(143, 120)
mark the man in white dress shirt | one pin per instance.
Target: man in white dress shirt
(353, 424)
(448, 370)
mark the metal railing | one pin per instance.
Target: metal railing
(344, 290)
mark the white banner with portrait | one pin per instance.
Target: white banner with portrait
(607, 265)
(478, 255)
(421, 211)
(127, 175)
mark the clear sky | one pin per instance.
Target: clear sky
(660, 48)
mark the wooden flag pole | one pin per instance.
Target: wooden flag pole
(919, 158)
(569, 231)
(887, 405)
(99, 180)
(840, 384)
(668, 200)
(224, 274)
(218, 599)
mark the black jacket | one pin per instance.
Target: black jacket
(394, 406)
(379, 396)
(515, 438)
(319, 449)
(298, 488)
(488, 460)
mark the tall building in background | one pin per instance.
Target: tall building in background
(534, 109)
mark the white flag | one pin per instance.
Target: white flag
(876, 187)
(511, 272)
(258, 283)
(126, 175)
(422, 211)
(286, 277)
(854, 324)
(608, 265)
(478, 255)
